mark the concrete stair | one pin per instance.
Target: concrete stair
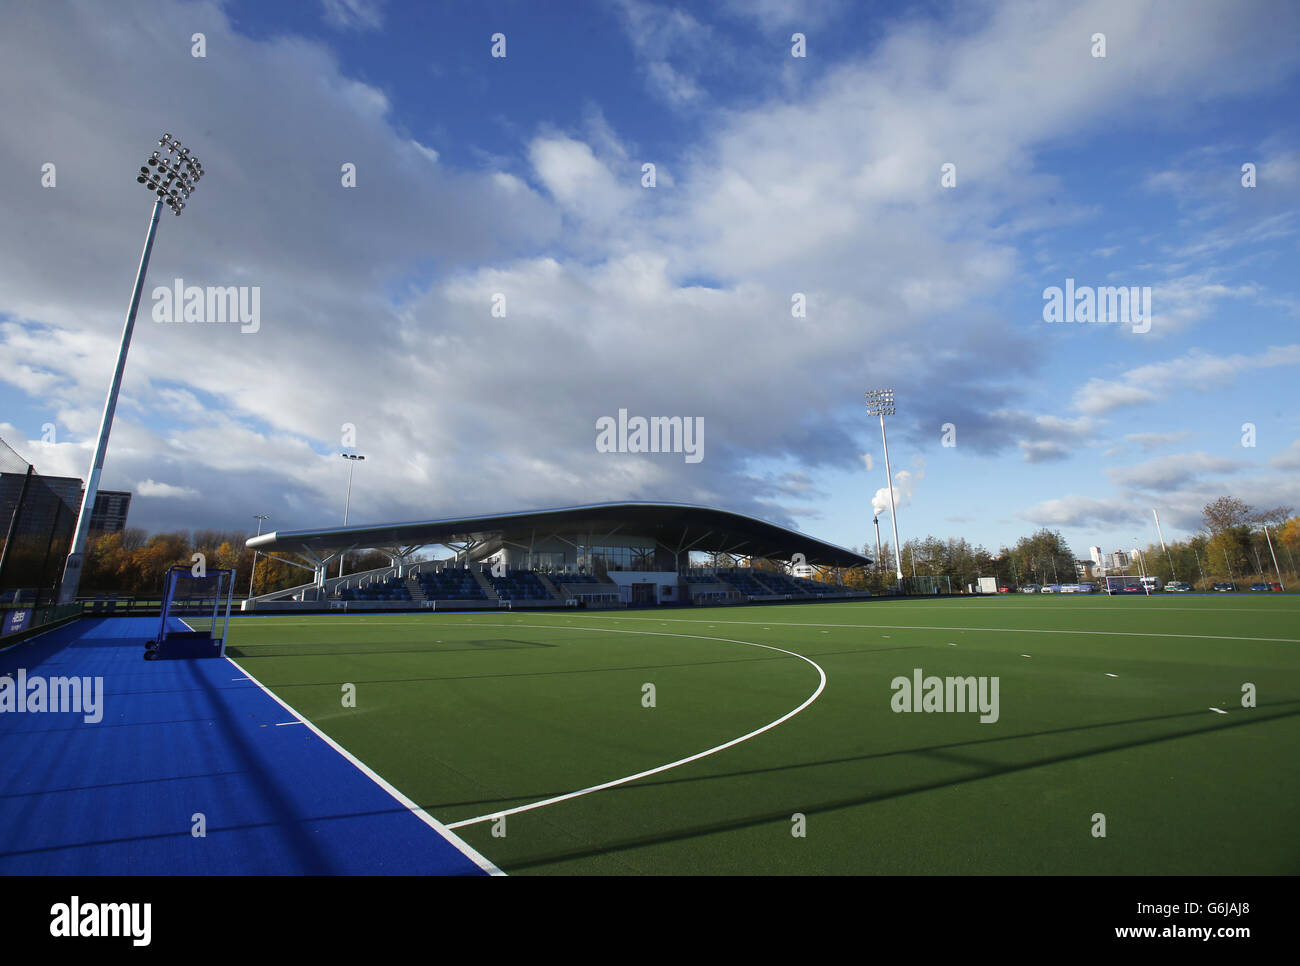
(489, 591)
(551, 587)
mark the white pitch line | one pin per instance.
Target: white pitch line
(1211, 609)
(1218, 711)
(460, 844)
(982, 630)
(281, 724)
(821, 685)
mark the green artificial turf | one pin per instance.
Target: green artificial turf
(470, 715)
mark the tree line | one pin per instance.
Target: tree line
(131, 563)
(1237, 543)
(1231, 545)
(954, 563)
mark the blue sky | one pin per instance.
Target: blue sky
(776, 175)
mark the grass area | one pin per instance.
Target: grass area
(471, 715)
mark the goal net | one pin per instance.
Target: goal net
(195, 614)
(1128, 585)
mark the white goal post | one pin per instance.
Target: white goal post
(1132, 585)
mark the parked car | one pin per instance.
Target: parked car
(1259, 587)
(1004, 589)
(1030, 589)
(1275, 587)
(1177, 587)
(1223, 588)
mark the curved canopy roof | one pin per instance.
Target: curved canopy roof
(677, 526)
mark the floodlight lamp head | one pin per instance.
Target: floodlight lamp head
(172, 179)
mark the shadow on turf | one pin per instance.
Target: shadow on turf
(266, 783)
(140, 781)
(932, 749)
(783, 815)
(185, 836)
(267, 786)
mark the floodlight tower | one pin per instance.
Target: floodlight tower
(259, 517)
(880, 402)
(1276, 568)
(1142, 567)
(352, 459)
(1161, 534)
(172, 178)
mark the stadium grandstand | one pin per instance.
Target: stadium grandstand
(598, 555)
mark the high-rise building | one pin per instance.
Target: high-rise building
(48, 501)
(110, 511)
(40, 504)
(1095, 553)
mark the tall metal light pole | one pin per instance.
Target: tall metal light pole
(352, 459)
(1142, 567)
(1161, 534)
(1274, 554)
(172, 179)
(875, 518)
(880, 402)
(259, 517)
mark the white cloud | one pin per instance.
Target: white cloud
(672, 48)
(1043, 451)
(164, 491)
(671, 84)
(1289, 458)
(425, 151)
(801, 15)
(1197, 369)
(1170, 472)
(1080, 511)
(354, 14)
(1151, 441)
(578, 180)
(1102, 395)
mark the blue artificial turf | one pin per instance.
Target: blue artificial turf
(118, 797)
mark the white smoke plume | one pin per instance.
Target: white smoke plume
(905, 482)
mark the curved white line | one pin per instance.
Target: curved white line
(821, 686)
